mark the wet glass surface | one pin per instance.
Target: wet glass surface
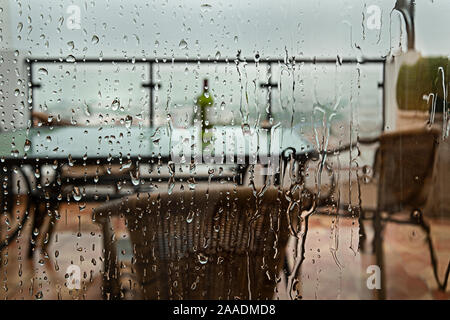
(224, 149)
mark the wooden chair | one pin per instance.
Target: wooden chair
(403, 166)
(202, 244)
(14, 205)
(44, 195)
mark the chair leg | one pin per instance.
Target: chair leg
(111, 288)
(442, 286)
(51, 228)
(379, 255)
(241, 170)
(362, 232)
(19, 228)
(7, 199)
(37, 222)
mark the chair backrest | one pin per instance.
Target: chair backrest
(207, 244)
(404, 162)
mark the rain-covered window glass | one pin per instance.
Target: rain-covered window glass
(89, 95)
(213, 149)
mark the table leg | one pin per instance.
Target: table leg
(111, 288)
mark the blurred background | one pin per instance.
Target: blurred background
(326, 71)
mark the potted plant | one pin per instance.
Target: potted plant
(417, 81)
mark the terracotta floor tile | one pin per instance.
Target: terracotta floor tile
(333, 268)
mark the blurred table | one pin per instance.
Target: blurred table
(130, 146)
(118, 143)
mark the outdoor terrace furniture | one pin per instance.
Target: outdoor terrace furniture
(218, 243)
(69, 153)
(403, 168)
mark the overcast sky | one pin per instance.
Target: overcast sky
(137, 28)
(213, 28)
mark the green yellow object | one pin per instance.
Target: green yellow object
(204, 102)
(422, 78)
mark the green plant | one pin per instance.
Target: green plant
(415, 81)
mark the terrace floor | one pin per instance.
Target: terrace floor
(78, 240)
